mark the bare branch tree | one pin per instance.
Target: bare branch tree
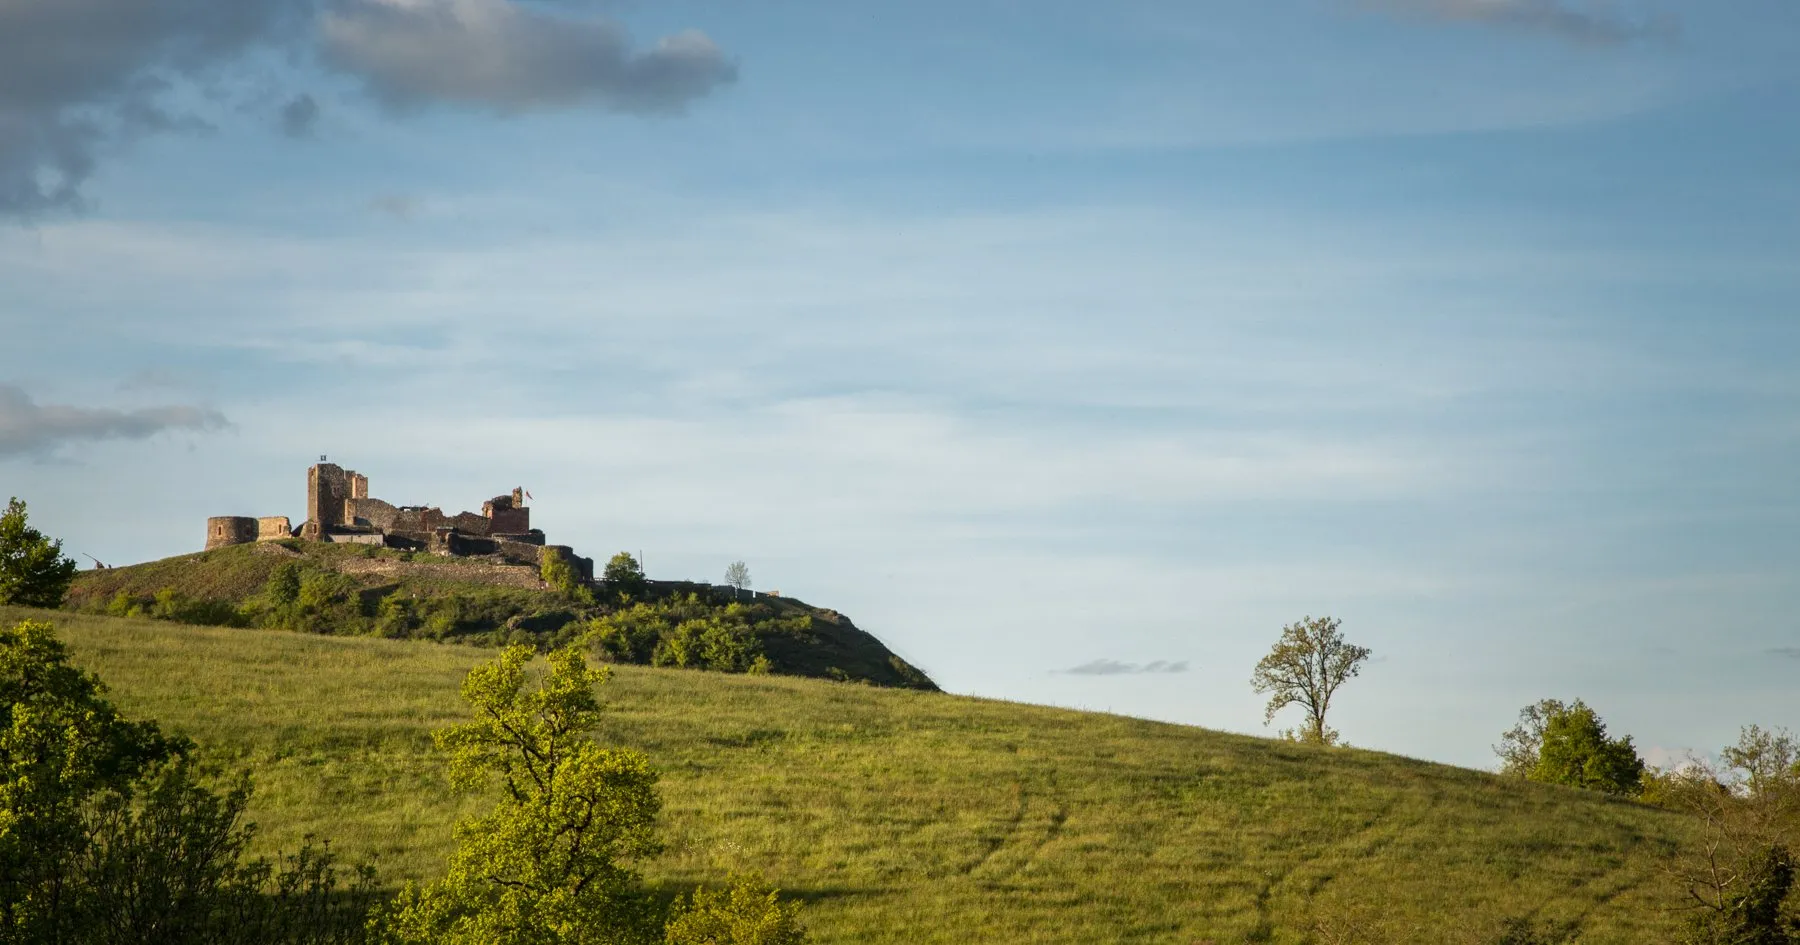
(1306, 667)
(737, 576)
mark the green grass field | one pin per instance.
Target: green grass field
(904, 816)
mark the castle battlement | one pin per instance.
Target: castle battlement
(340, 510)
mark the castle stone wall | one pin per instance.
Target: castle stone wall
(339, 509)
(223, 530)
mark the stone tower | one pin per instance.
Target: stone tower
(328, 487)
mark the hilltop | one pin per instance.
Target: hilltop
(904, 816)
(364, 590)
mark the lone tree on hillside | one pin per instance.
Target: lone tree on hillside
(1306, 666)
(33, 571)
(737, 576)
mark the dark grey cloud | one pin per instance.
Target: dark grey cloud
(507, 57)
(1599, 22)
(79, 76)
(1106, 667)
(300, 116)
(31, 428)
(81, 79)
(1791, 652)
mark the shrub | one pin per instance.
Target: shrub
(124, 605)
(171, 604)
(746, 914)
(560, 575)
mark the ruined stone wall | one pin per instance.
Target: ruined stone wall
(223, 530)
(338, 508)
(584, 566)
(373, 512)
(358, 538)
(508, 514)
(509, 521)
(425, 521)
(273, 528)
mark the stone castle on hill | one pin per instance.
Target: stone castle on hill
(338, 509)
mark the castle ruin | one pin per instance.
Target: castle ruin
(339, 510)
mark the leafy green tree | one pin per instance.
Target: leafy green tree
(746, 914)
(61, 745)
(624, 576)
(550, 863)
(1573, 749)
(109, 833)
(1520, 746)
(1305, 668)
(33, 571)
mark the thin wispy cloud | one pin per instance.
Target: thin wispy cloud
(1791, 652)
(1106, 667)
(30, 428)
(1580, 22)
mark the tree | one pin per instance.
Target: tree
(61, 746)
(737, 576)
(1565, 743)
(1765, 764)
(1519, 746)
(1576, 752)
(33, 571)
(1738, 881)
(549, 863)
(1306, 667)
(109, 832)
(623, 575)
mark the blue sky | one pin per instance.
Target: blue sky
(1035, 337)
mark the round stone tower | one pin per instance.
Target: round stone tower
(222, 530)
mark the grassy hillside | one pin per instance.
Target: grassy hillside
(364, 590)
(906, 816)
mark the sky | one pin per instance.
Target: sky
(1072, 349)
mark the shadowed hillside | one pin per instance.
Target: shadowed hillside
(913, 817)
(358, 590)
